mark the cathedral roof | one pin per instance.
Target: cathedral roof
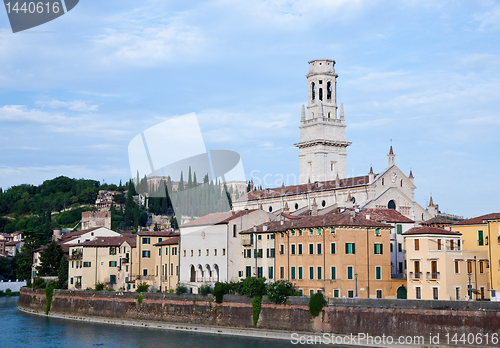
(304, 188)
(216, 218)
(341, 219)
(479, 219)
(438, 220)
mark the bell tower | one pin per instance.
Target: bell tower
(322, 146)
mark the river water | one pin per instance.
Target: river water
(26, 330)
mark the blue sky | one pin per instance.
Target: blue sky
(426, 74)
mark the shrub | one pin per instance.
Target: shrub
(171, 291)
(89, 288)
(28, 283)
(279, 291)
(205, 289)
(252, 286)
(40, 283)
(181, 289)
(256, 306)
(8, 291)
(219, 292)
(142, 287)
(316, 303)
(139, 299)
(99, 286)
(49, 292)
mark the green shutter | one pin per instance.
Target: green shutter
(320, 273)
(300, 272)
(480, 238)
(293, 272)
(334, 272)
(399, 228)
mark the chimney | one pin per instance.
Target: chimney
(264, 228)
(367, 216)
(286, 209)
(251, 185)
(314, 206)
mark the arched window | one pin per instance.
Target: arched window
(296, 206)
(391, 204)
(270, 209)
(192, 278)
(321, 94)
(401, 182)
(313, 90)
(329, 90)
(382, 181)
(323, 203)
(329, 114)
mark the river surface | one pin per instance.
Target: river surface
(27, 330)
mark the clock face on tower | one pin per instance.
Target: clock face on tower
(394, 176)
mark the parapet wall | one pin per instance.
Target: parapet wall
(342, 316)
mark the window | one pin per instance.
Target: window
(215, 252)
(311, 292)
(457, 293)
(481, 267)
(71, 281)
(311, 249)
(160, 239)
(480, 239)
(379, 293)
(332, 231)
(319, 230)
(282, 248)
(145, 272)
(292, 271)
(313, 91)
(112, 279)
(259, 272)
(350, 293)
(349, 272)
(282, 272)
(146, 254)
(418, 293)
(86, 264)
(300, 273)
(248, 271)
(199, 252)
(439, 244)
(301, 292)
(328, 90)
(159, 251)
(416, 267)
(318, 248)
(272, 252)
(333, 248)
(240, 274)
(400, 247)
(457, 266)
(469, 266)
(112, 251)
(391, 247)
(311, 272)
(292, 249)
(112, 263)
(452, 245)
(259, 237)
(320, 273)
(234, 231)
(146, 240)
(401, 267)
(378, 273)
(334, 272)
(299, 247)
(259, 253)
(224, 251)
(174, 251)
(399, 229)
(184, 253)
(191, 253)
(271, 272)
(166, 251)
(208, 252)
(336, 293)
(350, 248)
(416, 244)
(378, 249)
(377, 232)
(435, 293)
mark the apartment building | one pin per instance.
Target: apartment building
(167, 263)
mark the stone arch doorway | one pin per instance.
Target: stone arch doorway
(401, 293)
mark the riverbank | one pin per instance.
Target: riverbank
(433, 323)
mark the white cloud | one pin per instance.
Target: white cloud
(490, 20)
(76, 105)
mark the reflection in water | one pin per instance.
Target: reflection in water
(25, 330)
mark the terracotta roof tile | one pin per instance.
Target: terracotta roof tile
(109, 241)
(479, 219)
(156, 233)
(430, 230)
(217, 218)
(388, 215)
(170, 241)
(438, 220)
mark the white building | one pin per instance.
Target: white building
(211, 247)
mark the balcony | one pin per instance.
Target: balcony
(125, 260)
(76, 256)
(147, 277)
(415, 275)
(432, 275)
(247, 240)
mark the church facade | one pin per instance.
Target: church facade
(324, 186)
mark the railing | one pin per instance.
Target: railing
(125, 260)
(415, 275)
(432, 275)
(77, 256)
(143, 277)
(246, 241)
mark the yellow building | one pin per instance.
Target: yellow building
(340, 255)
(167, 263)
(439, 268)
(482, 234)
(146, 267)
(102, 260)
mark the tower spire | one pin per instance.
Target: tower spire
(391, 157)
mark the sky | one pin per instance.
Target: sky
(421, 75)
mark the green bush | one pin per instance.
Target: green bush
(256, 306)
(205, 289)
(279, 291)
(28, 283)
(99, 286)
(252, 286)
(316, 303)
(89, 288)
(181, 289)
(142, 287)
(139, 299)
(171, 291)
(219, 291)
(40, 283)
(49, 292)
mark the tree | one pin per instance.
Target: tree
(173, 223)
(50, 260)
(24, 260)
(279, 291)
(62, 273)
